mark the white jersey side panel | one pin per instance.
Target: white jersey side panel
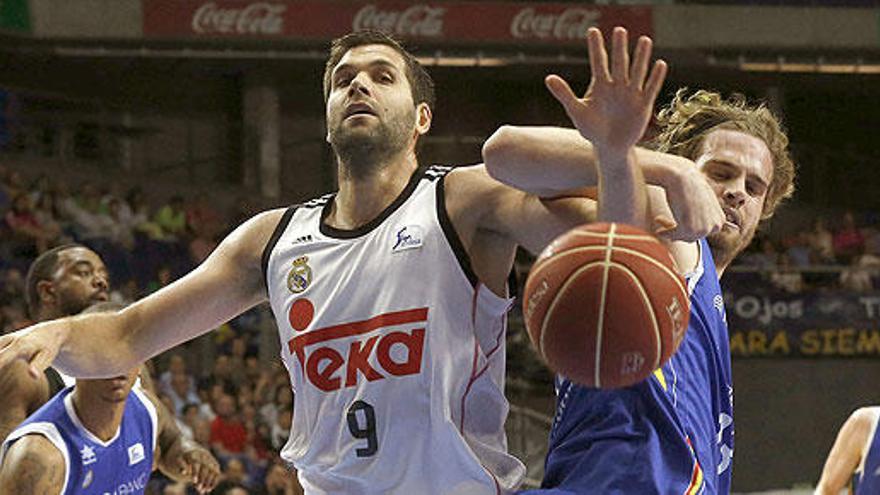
(395, 354)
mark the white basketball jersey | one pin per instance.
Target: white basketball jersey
(395, 352)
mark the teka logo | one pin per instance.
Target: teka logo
(329, 369)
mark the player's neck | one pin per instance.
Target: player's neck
(363, 196)
(100, 417)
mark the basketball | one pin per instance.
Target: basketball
(604, 305)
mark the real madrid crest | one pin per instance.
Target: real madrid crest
(300, 276)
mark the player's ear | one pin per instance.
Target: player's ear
(46, 292)
(423, 118)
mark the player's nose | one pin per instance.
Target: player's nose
(359, 85)
(734, 194)
(100, 281)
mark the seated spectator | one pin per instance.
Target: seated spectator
(821, 243)
(176, 365)
(171, 218)
(25, 227)
(227, 487)
(236, 472)
(281, 428)
(47, 215)
(283, 398)
(798, 251)
(786, 277)
(848, 240)
(181, 392)
(859, 275)
(280, 481)
(228, 434)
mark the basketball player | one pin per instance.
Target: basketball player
(100, 436)
(672, 433)
(64, 281)
(390, 297)
(854, 459)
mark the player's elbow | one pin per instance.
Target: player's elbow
(499, 151)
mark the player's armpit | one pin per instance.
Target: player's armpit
(482, 203)
(32, 465)
(491, 219)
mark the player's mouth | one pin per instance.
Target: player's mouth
(358, 110)
(101, 296)
(733, 219)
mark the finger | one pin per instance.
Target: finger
(5, 341)
(663, 223)
(655, 80)
(598, 56)
(39, 362)
(198, 475)
(212, 478)
(8, 352)
(560, 90)
(620, 56)
(641, 58)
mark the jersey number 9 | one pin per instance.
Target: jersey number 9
(368, 431)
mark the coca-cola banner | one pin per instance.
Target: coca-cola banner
(443, 22)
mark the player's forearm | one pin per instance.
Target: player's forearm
(622, 192)
(94, 345)
(555, 161)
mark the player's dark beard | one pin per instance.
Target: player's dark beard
(364, 152)
(73, 305)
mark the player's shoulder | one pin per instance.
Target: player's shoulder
(474, 187)
(249, 238)
(865, 417)
(32, 464)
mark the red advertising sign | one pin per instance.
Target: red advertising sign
(443, 22)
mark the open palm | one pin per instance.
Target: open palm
(618, 104)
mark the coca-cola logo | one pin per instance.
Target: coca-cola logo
(569, 25)
(416, 21)
(255, 18)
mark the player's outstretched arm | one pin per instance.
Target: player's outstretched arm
(32, 465)
(555, 162)
(179, 458)
(846, 453)
(101, 345)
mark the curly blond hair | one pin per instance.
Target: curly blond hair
(689, 119)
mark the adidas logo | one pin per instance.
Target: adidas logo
(302, 239)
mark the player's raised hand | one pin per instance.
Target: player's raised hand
(619, 103)
(36, 345)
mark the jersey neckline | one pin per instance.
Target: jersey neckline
(368, 227)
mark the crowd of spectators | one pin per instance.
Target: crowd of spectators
(230, 398)
(841, 254)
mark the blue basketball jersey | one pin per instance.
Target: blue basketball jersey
(121, 465)
(867, 479)
(672, 433)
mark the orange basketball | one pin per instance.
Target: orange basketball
(605, 306)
